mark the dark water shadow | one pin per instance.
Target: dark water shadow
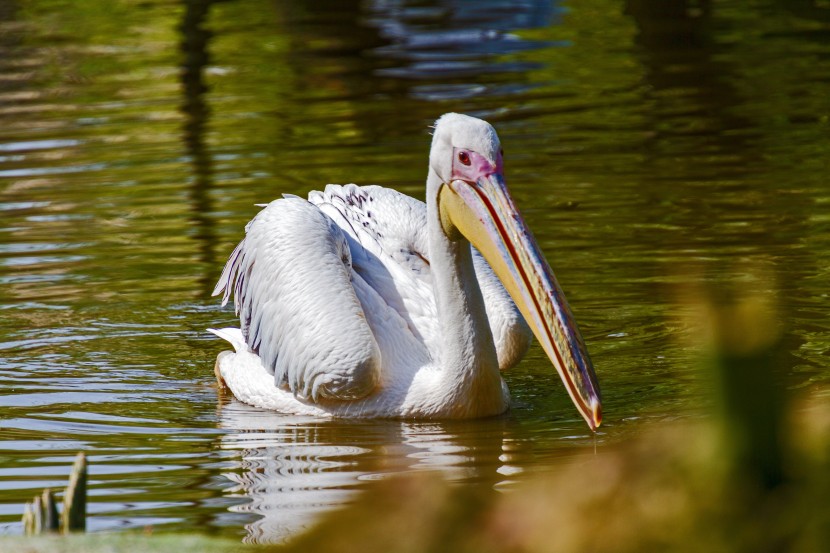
(195, 40)
(678, 45)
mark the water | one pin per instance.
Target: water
(657, 149)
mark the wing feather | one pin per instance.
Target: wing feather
(291, 279)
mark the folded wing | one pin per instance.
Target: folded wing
(291, 280)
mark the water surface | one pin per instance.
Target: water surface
(656, 148)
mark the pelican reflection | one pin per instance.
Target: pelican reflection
(291, 469)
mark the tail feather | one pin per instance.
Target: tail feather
(232, 335)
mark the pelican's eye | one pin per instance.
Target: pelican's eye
(464, 158)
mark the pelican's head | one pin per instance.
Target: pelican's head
(473, 202)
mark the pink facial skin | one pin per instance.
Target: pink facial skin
(470, 166)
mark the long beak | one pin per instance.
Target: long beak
(486, 215)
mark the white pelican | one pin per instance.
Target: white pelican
(364, 302)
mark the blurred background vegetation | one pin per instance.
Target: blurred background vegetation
(671, 156)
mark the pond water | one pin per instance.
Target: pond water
(655, 147)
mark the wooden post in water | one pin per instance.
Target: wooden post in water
(73, 518)
(37, 527)
(49, 512)
(41, 514)
(28, 520)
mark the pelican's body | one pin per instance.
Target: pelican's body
(364, 302)
(379, 255)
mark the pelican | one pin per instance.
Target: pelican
(364, 302)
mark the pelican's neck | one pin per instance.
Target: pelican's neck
(468, 354)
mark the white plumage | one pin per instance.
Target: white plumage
(364, 302)
(335, 300)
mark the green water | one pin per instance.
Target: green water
(658, 149)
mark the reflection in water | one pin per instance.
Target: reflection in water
(194, 46)
(696, 113)
(293, 468)
(450, 44)
(684, 64)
